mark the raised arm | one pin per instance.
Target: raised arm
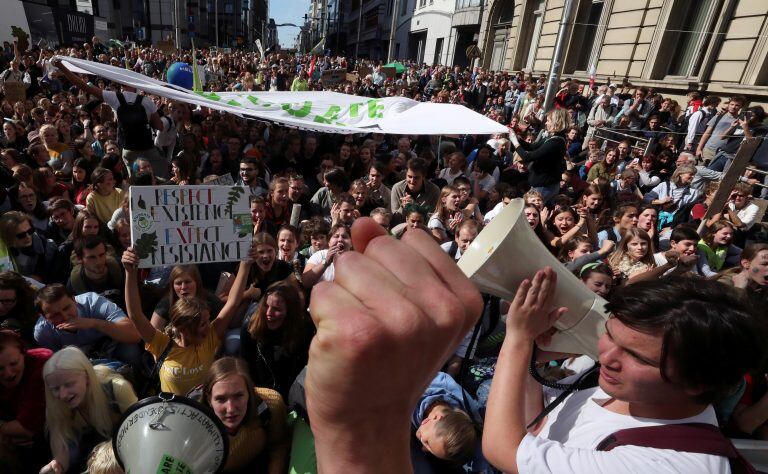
(132, 299)
(77, 81)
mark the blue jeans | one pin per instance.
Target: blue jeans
(721, 162)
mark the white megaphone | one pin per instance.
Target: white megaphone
(507, 251)
(169, 433)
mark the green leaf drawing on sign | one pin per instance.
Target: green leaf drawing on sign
(146, 245)
(234, 196)
(242, 234)
(141, 203)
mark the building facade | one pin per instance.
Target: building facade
(675, 46)
(432, 36)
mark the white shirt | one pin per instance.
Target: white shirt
(318, 258)
(446, 246)
(573, 430)
(747, 214)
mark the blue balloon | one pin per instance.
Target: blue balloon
(180, 74)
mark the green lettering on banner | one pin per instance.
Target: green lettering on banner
(254, 100)
(354, 109)
(209, 95)
(375, 109)
(233, 102)
(302, 112)
(331, 115)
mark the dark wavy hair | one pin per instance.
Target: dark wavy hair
(711, 336)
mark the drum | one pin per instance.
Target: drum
(170, 434)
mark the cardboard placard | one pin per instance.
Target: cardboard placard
(223, 180)
(363, 71)
(353, 77)
(166, 46)
(390, 72)
(14, 91)
(177, 225)
(334, 76)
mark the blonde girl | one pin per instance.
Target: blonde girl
(80, 399)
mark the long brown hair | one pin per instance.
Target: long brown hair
(184, 314)
(178, 271)
(223, 368)
(295, 316)
(709, 238)
(633, 232)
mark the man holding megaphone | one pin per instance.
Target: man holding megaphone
(670, 349)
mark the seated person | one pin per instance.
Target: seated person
(255, 418)
(89, 321)
(62, 216)
(22, 404)
(683, 250)
(96, 271)
(17, 305)
(83, 403)
(30, 253)
(442, 424)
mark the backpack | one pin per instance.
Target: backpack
(134, 132)
(699, 438)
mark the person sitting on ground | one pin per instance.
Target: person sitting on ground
(82, 404)
(254, 417)
(22, 404)
(96, 271)
(187, 347)
(89, 321)
(275, 338)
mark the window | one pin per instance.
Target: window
(692, 38)
(438, 51)
(404, 10)
(501, 17)
(467, 3)
(422, 3)
(583, 38)
(371, 18)
(538, 19)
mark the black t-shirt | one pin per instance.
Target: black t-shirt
(280, 271)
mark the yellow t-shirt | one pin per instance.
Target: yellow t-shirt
(184, 367)
(104, 206)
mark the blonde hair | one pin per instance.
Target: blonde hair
(59, 417)
(103, 460)
(558, 120)
(682, 170)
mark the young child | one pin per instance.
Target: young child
(442, 422)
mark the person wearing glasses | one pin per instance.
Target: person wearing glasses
(29, 253)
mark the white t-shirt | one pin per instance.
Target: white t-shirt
(747, 214)
(318, 258)
(110, 98)
(573, 430)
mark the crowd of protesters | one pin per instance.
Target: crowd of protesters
(616, 180)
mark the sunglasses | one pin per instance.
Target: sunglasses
(29, 232)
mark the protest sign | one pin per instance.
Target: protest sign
(166, 46)
(223, 180)
(363, 71)
(334, 76)
(178, 225)
(14, 91)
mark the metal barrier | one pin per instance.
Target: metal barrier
(640, 146)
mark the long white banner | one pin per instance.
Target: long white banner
(319, 111)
